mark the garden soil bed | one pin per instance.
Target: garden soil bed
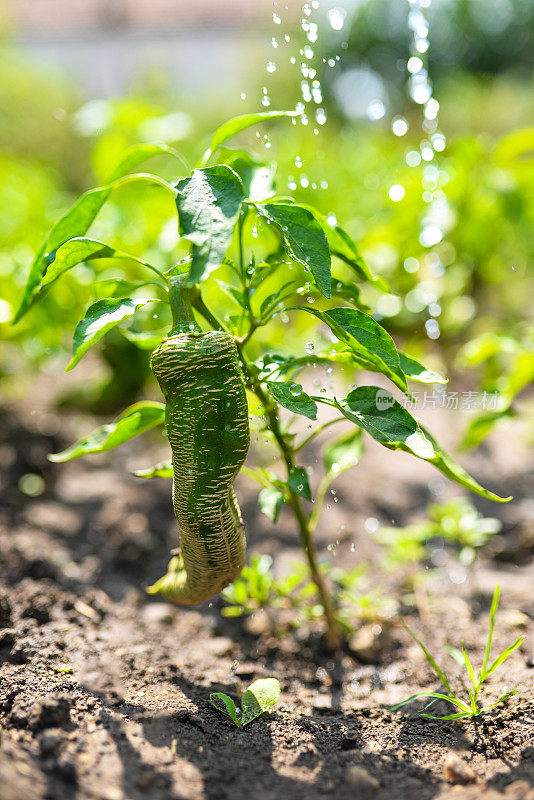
(104, 692)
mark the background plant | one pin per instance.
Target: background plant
(476, 679)
(250, 257)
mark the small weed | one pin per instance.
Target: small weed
(256, 700)
(471, 709)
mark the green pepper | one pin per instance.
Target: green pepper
(207, 425)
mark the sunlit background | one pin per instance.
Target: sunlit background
(417, 133)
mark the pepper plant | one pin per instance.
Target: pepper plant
(261, 252)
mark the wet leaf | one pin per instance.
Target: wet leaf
(304, 239)
(101, 317)
(208, 205)
(376, 411)
(136, 419)
(292, 396)
(259, 698)
(298, 482)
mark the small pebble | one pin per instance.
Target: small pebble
(364, 785)
(457, 770)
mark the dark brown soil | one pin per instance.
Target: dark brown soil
(104, 692)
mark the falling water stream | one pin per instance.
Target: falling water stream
(301, 47)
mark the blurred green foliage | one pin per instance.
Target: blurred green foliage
(479, 278)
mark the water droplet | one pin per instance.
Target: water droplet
(309, 346)
(320, 116)
(432, 329)
(276, 19)
(413, 158)
(243, 96)
(430, 235)
(271, 66)
(415, 64)
(336, 18)
(396, 192)
(399, 126)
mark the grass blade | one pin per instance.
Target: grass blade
(469, 668)
(501, 699)
(459, 715)
(451, 699)
(503, 656)
(439, 672)
(493, 611)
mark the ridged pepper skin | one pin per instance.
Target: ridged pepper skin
(207, 426)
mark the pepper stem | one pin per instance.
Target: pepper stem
(183, 318)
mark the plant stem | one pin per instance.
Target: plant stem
(183, 318)
(333, 638)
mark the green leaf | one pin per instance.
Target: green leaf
(208, 206)
(78, 219)
(349, 292)
(99, 319)
(134, 420)
(138, 153)
(238, 124)
(493, 611)
(161, 470)
(436, 696)
(469, 668)
(416, 371)
(225, 704)
(366, 338)
(74, 223)
(292, 396)
(233, 292)
(376, 411)
(304, 239)
(439, 672)
(503, 656)
(298, 482)
(256, 176)
(343, 453)
(270, 502)
(345, 248)
(259, 698)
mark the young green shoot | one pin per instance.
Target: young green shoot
(260, 696)
(465, 708)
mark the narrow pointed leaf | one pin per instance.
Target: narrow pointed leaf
(345, 248)
(238, 124)
(298, 482)
(78, 219)
(415, 371)
(469, 668)
(161, 470)
(101, 317)
(208, 205)
(292, 396)
(225, 704)
(304, 239)
(376, 411)
(134, 420)
(439, 672)
(501, 699)
(138, 153)
(366, 338)
(74, 223)
(503, 656)
(259, 698)
(435, 695)
(493, 611)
